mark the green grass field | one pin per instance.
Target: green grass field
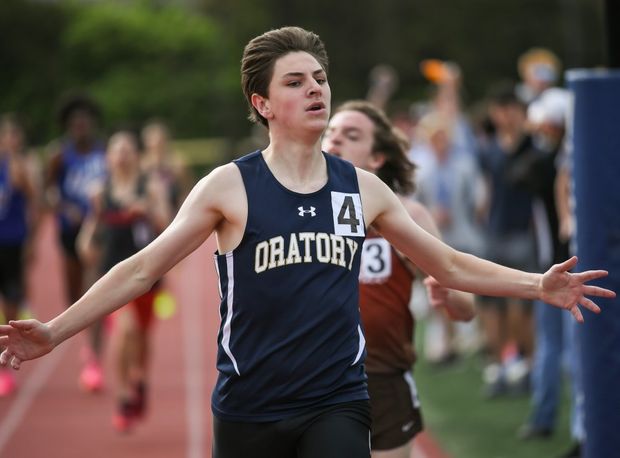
(468, 426)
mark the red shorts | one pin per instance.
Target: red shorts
(143, 307)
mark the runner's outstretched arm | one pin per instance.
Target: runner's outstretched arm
(457, 270)
(457, 305)
(199, 216)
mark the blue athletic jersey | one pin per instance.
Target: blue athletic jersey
(290, 335)
(79, 173)
(13, 219)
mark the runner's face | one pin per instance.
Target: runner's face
(122, 155)
(350, 135)
(11, 138)
(81, 125)
(299, 94)
(155, 138)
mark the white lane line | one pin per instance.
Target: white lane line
(27, 393)
(192, 321)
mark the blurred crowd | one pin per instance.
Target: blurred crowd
(494, 175)
(109, 197)
(496, 178)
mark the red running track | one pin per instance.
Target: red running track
(50, 417)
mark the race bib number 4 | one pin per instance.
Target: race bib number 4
(347, 214)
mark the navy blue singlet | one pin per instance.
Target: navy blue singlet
(13, 209)
(290, 338)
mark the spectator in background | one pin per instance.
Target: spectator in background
(402, 115)
(383, 83)
(447, 80)
(508, 324)
(555, 335)
(76, 167)
(19, 217)
(450, 185)
(444, 131)
(539, 69)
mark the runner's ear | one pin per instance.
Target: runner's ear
(261, 104)
(377, 160)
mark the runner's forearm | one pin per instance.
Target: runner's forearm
(479, 276)
(119, 286)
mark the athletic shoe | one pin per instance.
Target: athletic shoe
(518, 376)
(91, 377)
(529, 432)
(449, 359)
(139, 401)
(573, 452)
(494, 379)
(497, 389)
(124, 418)
(7, 383)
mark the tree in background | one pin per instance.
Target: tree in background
(180, 60)
(138, 61)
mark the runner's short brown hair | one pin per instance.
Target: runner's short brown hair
(261, 53)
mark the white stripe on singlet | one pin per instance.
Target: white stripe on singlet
(362, 344)
(229, 313)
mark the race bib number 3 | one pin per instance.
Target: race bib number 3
(347, 214)
(376, 263)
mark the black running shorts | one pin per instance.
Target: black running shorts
(337, 431)
(395, 410)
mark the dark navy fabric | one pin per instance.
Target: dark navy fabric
(595, 144)
(123, 232)
(78, 174)
(290, 337)
(511, 204)
(13, 223)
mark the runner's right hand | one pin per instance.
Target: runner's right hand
(23, 340)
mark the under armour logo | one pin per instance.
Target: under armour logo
(302, 211)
